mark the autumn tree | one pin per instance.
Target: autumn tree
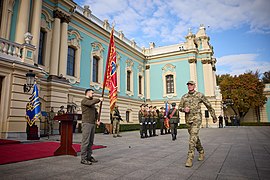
(244, 91)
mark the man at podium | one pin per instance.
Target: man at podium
(89, 118)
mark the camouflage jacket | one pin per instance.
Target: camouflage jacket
(193, 102)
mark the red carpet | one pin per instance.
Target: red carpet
(7, 141)
(11, 153)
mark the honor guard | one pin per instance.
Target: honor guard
(161, 120)
(142, 121)
(174, 120)
(150, 121)
(116, 117)
(146, 116)
(155, 119)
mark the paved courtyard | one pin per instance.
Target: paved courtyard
(231, 153)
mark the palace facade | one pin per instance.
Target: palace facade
(66, 47)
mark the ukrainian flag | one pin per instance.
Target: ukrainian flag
(33, 109)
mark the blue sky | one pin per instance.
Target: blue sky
(239, 30)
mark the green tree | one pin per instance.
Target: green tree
(266, 77)
(244, 92)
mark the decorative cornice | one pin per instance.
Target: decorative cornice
(206, 61)
(192, 60)
(59, 14)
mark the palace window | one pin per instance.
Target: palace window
(41, 49)
(71, 61)
(169, 84)
(127, 116)
(140, 84)
(95, 69)
(128, 80)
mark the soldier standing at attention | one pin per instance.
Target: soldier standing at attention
(116, 117)
(174, 120)
(190, 105)
(146, 116)
(161, 120)
(51, 121)
(89, 118)
(60, 112)
(155, 119)
(142, 121)
(150, 121)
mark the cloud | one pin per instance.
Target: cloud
(167, 22)
(240, 63)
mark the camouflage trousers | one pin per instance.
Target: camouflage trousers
(116, 126)
(194, 140)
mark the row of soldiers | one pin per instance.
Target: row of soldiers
(149, 116)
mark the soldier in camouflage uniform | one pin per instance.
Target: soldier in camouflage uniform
(190, 105)
(142, 121)
(155, 119)
(174, 120)
(116, 117)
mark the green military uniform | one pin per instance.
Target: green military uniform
(51, 115)
(116, 122)
(146, 117)
(150, 122)
(155, 119)
(193, 119)
(142, 123)
(161, 120)
(174, 120)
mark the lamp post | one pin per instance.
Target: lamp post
(30, 80)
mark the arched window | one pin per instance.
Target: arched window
(128, 80)
(71, 61)
(95, 69)
(169, 84)
(127, 116)
(140, 84)
(41, 50)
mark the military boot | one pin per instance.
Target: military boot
(201, 155)
(189, 160)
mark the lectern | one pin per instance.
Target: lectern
(66, 134)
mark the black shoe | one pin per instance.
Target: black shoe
(86, 162)
(92, 160)
(119, 135)
(142, 137)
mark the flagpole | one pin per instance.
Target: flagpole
(105, 76)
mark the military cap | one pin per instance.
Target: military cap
(162, 108)
(142, 105)
(62, 106)
(146, 105)
(191, 82)
(155, 107)
(173, 104)
(150, 106)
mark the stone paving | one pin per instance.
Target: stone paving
(231, 153)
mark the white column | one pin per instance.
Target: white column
(55, 46)
(208, 78)
(35, 29)
(193, 69)
(63, 50)
(22, 21)
(147, 82)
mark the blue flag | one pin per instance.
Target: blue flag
(33, 109)
(167, 108)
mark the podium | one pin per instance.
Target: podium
(66, 134)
